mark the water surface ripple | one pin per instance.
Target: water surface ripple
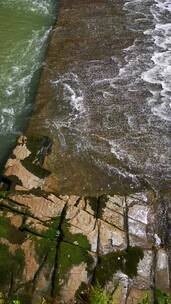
(108, 86)
(24, 28)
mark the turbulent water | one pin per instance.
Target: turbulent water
(115, 113)
(107, 99)
(24, 28)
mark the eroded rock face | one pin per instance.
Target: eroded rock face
(56, 245)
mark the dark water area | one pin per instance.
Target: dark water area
(104, 96)
(24, 29)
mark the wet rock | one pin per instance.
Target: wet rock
(162, 270)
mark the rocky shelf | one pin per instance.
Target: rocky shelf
(56, 245)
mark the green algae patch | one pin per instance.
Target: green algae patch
(10, 265)
(45, 248)
(5, 266)
(71, 255)
(68, 256)
(10, 232)
(78, 239)
(4, 194)
(49, 229)
(125, 261)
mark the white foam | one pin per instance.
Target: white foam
(72, 93)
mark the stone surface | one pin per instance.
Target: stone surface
(110, 238)
(162, 270)
(40, 207)
(65, 242)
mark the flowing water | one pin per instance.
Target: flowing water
(106, 89)
(24, 28)
(111, 106)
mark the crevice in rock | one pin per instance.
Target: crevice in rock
(97, 215)
(56, 261)
(126, 225)
(25, 213)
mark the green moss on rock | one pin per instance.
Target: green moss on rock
(68, 256)
(78, 239)
(10, 232)
(126, 261)
(10, 265)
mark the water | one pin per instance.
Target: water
(104, 96)
(24, 29)
(112, 105)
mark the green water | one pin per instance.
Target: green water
(24, 30)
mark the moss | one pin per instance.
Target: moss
(19, 259)
(132, 256)
(53, 232)
(68, 256)
(22, 298)
(82, 293)
(3, 194)
(126, 261)
(5, 266)
(10, 232)
(45, 247)
(76, 239)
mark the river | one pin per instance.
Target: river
(24, 29)
(104, 95)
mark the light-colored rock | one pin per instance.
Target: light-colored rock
(11, 247)
(113, 218)
(138, 235)
(110, 238)
(73, 200)
(29, 181)
(162, 270)
(16, 220)
(76, 276)
(34, 225)
(80, 219)
(21, 152)
(83, 223)
(145, 271)
(92, 236)
(81, 204)
(118, 287)
(40, 207)
(116, 203)
(139, 213)
(89, 208)
(31, 264)
(138, 198)
(137, 295)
